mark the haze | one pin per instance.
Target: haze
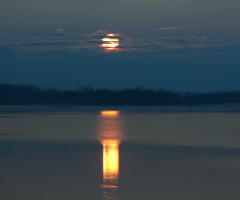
(186, 45)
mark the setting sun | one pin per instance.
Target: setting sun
(110, 42)
(110, 34)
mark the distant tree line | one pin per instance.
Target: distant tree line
(30, 95)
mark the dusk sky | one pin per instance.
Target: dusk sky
(187, 45)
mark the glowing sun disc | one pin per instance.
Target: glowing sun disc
(110, 42)
(110, 34)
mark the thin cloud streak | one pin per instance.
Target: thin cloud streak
(155, 41)
(170, 28)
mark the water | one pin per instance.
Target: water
(119, 155)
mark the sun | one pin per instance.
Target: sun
(110, 42)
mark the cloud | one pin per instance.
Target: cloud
(29, 33)
(59, 30)
(51, 43)
(170, 28)
(234, 23)
(58, 34)
(99, 32)
(102, 33)
(153, 42)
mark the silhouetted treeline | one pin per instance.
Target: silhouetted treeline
(29, 95)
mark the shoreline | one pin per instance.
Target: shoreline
(74, 108)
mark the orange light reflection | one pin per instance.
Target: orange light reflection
(110, 160)
(110, 135)
(110, 112)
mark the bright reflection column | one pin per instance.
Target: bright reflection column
(110, 159)
(110, 135)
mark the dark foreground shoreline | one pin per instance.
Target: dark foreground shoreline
(87, 96)
(75, 108)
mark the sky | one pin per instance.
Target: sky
(186, 45)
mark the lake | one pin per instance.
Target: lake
(119, 154)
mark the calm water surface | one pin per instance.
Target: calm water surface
(119, 155)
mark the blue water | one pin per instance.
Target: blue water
(129, 155)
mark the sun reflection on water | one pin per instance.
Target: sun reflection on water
(110, 161)
(110, 136)
(110, 112)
